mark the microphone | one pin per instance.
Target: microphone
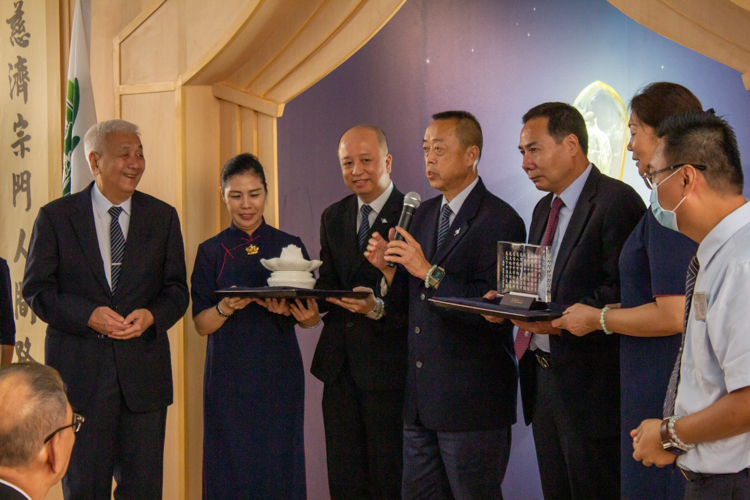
(411, 203)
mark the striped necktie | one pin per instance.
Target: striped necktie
(674, 378)
(364, 226)
(445, 223)
(117, 244)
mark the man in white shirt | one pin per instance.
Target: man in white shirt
(106, 272)
(570, 385)
(361, 354)
(697, 174)
(461, 382)
(37, 430)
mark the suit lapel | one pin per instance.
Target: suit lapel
(539, 222)
(83, 224)
(137, 238)
(348, 238)
(578, 220)
(462, 222)
(429, 230)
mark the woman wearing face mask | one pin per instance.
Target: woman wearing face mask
(653, 266)
(253, 391)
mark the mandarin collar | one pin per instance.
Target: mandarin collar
(261, 230)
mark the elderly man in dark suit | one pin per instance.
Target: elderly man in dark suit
(37, 431)
(361, 355)
(570, 385)
(461, 386)
(106, 272)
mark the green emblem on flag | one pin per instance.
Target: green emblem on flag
(71, 141)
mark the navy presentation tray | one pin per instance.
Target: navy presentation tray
(492, 308)
(286, 292)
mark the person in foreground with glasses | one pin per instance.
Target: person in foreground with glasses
(37, 430)
(706, 424)
(652, 264)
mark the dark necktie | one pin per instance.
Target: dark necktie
(364, 226)
(523, 337)
(674, 378)
(116, 244)
(445, 223)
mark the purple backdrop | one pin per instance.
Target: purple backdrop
(496, 59)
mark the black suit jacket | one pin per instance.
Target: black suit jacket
(10, 493)
(462, 371)
(64, 283)
(375, 350)
(586, 370)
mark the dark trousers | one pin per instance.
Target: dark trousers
(116, 442)
(454, 465)
(363, 440)
(571, 466)
(718, 486)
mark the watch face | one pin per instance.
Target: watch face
(674, 450)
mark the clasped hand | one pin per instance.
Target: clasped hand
(647, 447)
(107, 322)
(407, 252)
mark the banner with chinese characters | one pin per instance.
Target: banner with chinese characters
(30, 143)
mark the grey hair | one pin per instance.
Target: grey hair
(96, 138)
(25, 424)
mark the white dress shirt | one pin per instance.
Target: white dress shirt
(570, 198)
(716, 355)
(102, 219)
(457, 202)
(377, 205)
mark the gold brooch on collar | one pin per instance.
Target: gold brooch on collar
(252, 250)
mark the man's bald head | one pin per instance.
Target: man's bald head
(32, 404)
(379, 135)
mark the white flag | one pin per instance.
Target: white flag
(80, 113)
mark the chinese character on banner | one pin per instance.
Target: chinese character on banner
(20, 250)
(22, 184)
(18, 35)
(22, 351)
(19, 81)
(22, 308)
(23, 137)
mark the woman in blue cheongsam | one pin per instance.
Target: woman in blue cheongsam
(253, 391)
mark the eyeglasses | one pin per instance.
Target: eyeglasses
(76, 425)
(649, 176)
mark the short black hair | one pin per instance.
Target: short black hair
(240, 164)
(564, 120)
(468, 130)
(658, 101)
(704, 139)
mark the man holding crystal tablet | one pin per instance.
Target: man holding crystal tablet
(570, 385)
(461, 384)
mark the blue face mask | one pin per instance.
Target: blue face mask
(667, 218)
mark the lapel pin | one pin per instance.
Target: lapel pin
(384, 220)
(457, 231)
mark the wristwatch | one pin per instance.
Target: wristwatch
(434, 276)
(669, 440)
